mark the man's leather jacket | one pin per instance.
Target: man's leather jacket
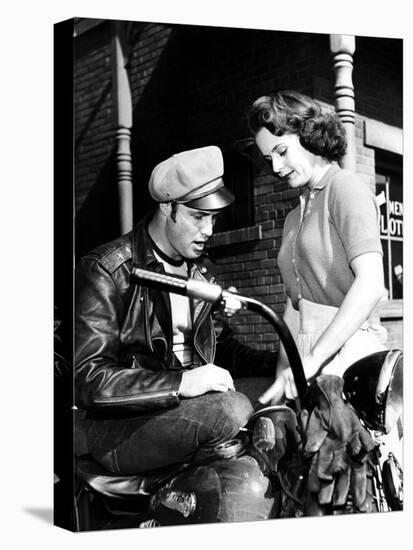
(123, 332)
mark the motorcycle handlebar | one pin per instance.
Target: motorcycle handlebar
(179, 285)
(213, 293)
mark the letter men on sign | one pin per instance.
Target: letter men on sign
(392, 218)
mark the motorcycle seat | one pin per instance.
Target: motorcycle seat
(121, 486)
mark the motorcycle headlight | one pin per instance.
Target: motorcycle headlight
(374, 387)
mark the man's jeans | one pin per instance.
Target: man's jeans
(189, 432)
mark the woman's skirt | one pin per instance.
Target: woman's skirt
(314, 319)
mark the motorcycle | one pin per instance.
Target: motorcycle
(250, 478)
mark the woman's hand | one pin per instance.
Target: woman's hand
(275, 392)
(283, 378)
(284, 384)
(312, 365)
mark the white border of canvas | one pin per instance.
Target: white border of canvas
(27, 238)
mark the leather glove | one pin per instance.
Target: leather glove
(338, 444)
(274, 432)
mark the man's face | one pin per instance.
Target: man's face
(190, 231)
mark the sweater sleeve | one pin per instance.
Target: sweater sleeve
(355, 213)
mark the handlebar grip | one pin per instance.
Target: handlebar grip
(178, 285)
(203, 290)
(170, 283)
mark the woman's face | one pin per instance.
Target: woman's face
(288, 158)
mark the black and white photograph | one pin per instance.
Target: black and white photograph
(238, 274)
(227, 316)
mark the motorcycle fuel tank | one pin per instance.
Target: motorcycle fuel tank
(223, 490)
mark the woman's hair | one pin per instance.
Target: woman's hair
(289, 112)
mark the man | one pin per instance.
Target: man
(146, 361)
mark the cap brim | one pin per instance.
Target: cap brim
(215, 201)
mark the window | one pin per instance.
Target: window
(238, 177)
(389, 192)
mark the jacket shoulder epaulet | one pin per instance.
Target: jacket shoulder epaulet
(111, 255)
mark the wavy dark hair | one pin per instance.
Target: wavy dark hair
(290, 112)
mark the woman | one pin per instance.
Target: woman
(331, 257)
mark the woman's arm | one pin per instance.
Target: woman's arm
(361, 299)
(359, 302)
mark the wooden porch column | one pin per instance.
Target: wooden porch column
(342, 47)
(122, 102)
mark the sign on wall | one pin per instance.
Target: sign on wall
(390, 199)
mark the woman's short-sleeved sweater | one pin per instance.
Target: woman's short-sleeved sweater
(335, 222)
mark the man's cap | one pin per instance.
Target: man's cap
(193, 178)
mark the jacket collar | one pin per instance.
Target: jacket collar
(142, 251)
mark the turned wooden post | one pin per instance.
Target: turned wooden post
(342, 47)
(122, 102)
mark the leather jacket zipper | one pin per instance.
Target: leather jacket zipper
(146, 319)
(200, 320)
(202, 315)
(136, 399)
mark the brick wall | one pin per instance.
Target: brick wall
(191, 87)
(95, 189)
(201, 82)
(378, 79)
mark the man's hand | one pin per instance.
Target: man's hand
(203, 379)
